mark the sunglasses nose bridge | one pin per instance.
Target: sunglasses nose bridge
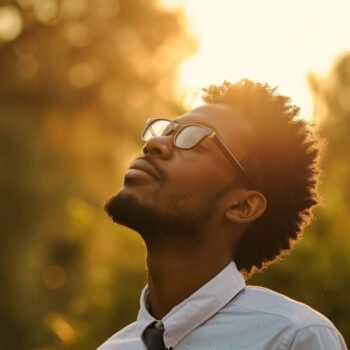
(161, 146)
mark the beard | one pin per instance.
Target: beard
(175, 224)
(158, 226)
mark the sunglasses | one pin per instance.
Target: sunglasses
(188, 136)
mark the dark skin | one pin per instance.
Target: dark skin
(176, 269)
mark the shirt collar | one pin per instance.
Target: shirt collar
(197, 308)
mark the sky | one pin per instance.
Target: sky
(274, 41)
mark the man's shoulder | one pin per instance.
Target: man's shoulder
(128, 332)
(266, 301)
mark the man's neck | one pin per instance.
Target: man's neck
(172, 277)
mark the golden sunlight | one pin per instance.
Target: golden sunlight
(273, 41)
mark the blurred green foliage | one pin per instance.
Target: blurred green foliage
(78, 78)
(318, 270)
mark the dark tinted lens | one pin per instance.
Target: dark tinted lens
(190, 135)
(156, 128)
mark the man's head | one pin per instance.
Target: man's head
(197, 196)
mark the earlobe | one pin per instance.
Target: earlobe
(249, 208)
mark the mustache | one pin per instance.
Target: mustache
(150, 159)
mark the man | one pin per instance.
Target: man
(221, 192)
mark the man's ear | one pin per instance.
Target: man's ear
(249, 207)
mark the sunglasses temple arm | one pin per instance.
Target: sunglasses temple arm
(232, 158)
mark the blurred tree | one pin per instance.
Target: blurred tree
(76, 80)
(317, 272)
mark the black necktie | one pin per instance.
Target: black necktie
(153, 337)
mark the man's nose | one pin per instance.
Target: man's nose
(160, 146)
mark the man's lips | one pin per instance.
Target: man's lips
(146, 167)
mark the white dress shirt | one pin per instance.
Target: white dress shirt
(225, 314)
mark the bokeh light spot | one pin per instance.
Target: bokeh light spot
(65, 332)
(82, 75)
(10, 23)
(45, 10)
(54, 276)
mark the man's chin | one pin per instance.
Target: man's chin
(154, 224)
(118, 207)
(126, 209)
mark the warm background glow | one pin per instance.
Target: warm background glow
(274, 41)
(78, 79)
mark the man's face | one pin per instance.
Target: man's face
(171, 193)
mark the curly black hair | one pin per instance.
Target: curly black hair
(284, 164)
